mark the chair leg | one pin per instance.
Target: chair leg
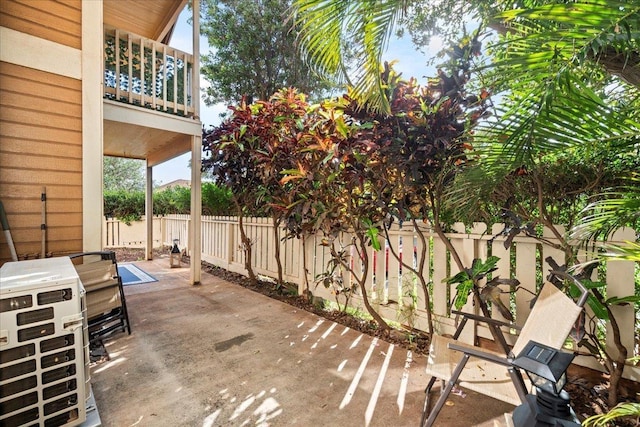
(427, 395)
(445, 393)
(518, 382)
(125, 313)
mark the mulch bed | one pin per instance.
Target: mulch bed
(588, 388)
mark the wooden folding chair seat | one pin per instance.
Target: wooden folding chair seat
(490, 372)
(105, 301)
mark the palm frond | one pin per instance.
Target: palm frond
(547, 65)
(530, 127)
(577, 30)
(622, 410)
(327, 27)
(322, 36)
(629, 252)
(614, 209)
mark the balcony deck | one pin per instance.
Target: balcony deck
(147, 73)
(219, 354)
(149, 98)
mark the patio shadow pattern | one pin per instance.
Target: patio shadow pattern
(221, 355)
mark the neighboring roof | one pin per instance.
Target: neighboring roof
(176, 183)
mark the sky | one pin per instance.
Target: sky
(410, 62)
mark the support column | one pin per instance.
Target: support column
(148, 206)
(195, 238)
(92, 133)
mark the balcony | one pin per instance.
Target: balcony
(146, 73)
(149, 98)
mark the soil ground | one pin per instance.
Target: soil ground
(588, 388)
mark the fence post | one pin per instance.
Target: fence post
(163, 230)
(301, 244)
(440, 289)
(621, 283)
(503, 265)
(526, 268)
(230, 240)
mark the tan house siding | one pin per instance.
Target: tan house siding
(52, 115)
(40, 146)
(57, 20)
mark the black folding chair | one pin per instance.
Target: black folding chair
(105, 301)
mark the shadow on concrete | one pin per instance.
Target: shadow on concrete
(218, 354)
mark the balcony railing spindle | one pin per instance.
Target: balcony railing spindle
(130, 63)
(117, 60)
(154, 67)
(159, 73)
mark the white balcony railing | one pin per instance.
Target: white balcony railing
(146, 73)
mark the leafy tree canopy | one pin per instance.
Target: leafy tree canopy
(574, 32)
(123, 174)
(254, 52)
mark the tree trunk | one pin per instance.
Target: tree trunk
(305, 270)
(361, 280)
(363, 287)
(624, 65)
(246, 248)
(617, 365)
(276, 235)
(419, 273)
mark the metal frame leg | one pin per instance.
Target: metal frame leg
(518, 382)
(425, 407)
(445, 393)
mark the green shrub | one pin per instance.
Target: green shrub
(128, 206)
(216, 200)
(176, 200)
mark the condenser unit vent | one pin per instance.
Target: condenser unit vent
(43, 345)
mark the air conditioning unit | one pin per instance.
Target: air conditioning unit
(44, 352)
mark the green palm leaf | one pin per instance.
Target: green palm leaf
(330, 27)
(622, 410)
(629, 252)
(548, 66)
(615, 209)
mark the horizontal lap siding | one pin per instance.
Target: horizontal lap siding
(57, 21)
(40, 146)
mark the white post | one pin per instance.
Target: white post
(149, 212)
(195, 239)
(92, 135)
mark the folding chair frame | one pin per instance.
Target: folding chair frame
(429, 416)
(102, 326)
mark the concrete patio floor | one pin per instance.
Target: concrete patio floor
(218, 354)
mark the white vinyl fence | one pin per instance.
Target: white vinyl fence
(117, 234)
(392, 290)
